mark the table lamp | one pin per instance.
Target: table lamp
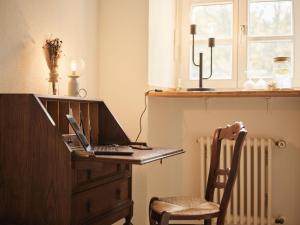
(76, 67)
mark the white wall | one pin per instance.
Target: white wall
(161, 43)
(24, 25)
(123, 58)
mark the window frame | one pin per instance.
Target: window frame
(239, 44)
(184, 59)
(245, 40)
(220, 41)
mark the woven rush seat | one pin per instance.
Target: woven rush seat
(184, 206)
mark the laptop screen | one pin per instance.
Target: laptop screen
(79, 133)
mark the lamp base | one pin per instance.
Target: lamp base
(73, 86)
(200, 89)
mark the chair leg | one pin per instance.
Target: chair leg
(164, 217)
(151, 220)
(207, 222)
(129, 217)
(221, 220)
(164, 220)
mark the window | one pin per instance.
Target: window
(270, 34)
(249, 34)
(213, 20)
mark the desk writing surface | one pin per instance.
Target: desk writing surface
(139, 157)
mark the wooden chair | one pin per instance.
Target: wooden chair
(162, 210)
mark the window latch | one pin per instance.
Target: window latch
(243, 29)
(243, 33)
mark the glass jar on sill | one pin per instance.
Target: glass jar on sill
(282, 72)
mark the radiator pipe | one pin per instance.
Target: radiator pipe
(280, 220)
(280, 144)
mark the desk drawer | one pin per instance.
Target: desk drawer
(87, 172)
(101, 199)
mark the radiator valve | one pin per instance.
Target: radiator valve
(280, 144)
(280, 220)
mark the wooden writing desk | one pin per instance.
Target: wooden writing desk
(44, 182)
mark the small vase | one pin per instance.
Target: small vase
(53, 83)
(53, 88)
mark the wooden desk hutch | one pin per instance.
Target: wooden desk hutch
(44, 182)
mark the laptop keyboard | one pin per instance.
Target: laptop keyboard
(112, 150)
(105, 148)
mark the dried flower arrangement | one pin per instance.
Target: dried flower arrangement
(52, 52)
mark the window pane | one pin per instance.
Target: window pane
(270, 18)
(261, 54)
(213, 20)
(222, 62)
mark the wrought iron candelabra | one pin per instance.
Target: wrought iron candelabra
(211, 45)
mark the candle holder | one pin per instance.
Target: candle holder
(211, 45)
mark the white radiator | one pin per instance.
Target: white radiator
(250, 203)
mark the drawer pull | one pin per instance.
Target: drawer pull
(88, 206)
(118, 194)
(89, 174)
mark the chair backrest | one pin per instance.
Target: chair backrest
(235, 132)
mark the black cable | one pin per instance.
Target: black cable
(142, 114)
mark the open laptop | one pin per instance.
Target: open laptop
(101, 149)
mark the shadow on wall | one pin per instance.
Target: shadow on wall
(16, 45)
